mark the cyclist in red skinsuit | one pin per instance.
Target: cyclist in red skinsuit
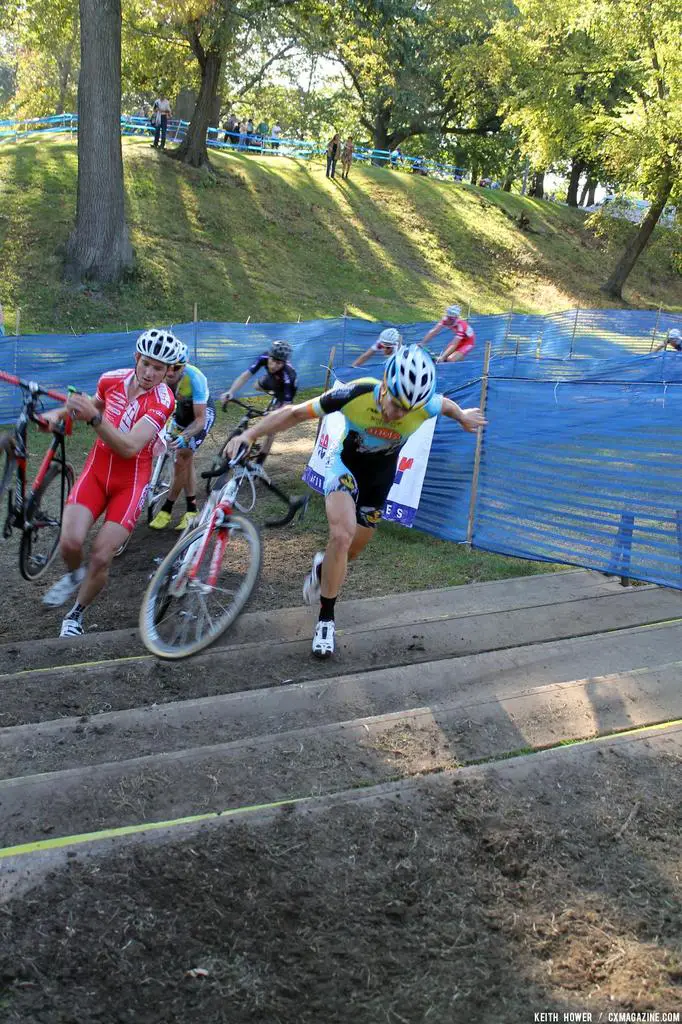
(129, 409)
(463, 336)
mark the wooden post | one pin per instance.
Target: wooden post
(17, 322)
(479, 445)
(343, 339)
(575, 327)
(507, 328)
(196, 332)
(327, 381)
(247, 319)
(653, 337)
(468, 309)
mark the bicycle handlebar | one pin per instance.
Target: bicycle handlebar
(31, 386)
(249, 408)
(208, 474)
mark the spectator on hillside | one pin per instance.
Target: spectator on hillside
(263, 131)
(346, 157)
(419, 166)
(243, 135)
(161, 112)
(231, 127)
(276, 134)
(333, 154)
(250, 132)
(396, 157)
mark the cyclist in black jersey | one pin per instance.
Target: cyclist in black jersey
(380, 416)
(279, 380)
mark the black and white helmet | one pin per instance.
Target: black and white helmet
(160, 345)
(410, 376)
(675, 337)
(280, 350)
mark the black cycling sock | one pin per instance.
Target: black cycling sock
(76, 612)
(326, 609)
(168, 506)
(191, 503)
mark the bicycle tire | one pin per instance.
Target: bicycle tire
(155, 612)
(159, 485)
(32, 562)
(8, 463)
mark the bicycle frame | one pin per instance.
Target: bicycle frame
(18, 505)
(216, 512)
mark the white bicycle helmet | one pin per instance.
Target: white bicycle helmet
(410, 376)
(183, 354)
(160, 345)
(674, 335)
(453, 311)
(389, 340)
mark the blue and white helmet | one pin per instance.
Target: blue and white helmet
(453, 311)
(410, 376)
(183, 354)
(389, 340)
(675, 336)
(160, 345)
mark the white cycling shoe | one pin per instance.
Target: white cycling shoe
(323, 640)
(71, 627)
(311, 585)
(61, 591)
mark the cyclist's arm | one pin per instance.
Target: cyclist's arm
(365, 356)
(130, 444)
(198, 423)
(468, 419)
(431, 334)
(279, 420)
(236, 385)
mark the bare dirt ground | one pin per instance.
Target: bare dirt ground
(485, 898)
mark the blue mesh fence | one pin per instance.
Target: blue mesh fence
(582, 457)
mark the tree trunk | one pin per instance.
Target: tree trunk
(382, 139)
(99, 247)
(577, 168)
(193, 150)
(621, 272)
(64, 65)
(591, 191)
(537, 189)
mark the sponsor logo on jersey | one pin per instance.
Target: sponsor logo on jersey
(385, 433)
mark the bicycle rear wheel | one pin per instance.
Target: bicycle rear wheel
(7, 462)
(40, 541)
(179, 615)
(160, 483)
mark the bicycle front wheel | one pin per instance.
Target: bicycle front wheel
(40, 540)
(188, 605)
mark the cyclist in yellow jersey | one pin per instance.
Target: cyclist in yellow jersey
(380, 417)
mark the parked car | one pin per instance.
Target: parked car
(634, 210)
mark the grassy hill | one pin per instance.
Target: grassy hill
(276, 240)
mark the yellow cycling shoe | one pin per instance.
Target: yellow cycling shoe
(186, 520)
(160, 520)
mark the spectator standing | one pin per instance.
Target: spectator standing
(262, 131)
(250, 132)
(396, 157)
(276, 134)
(333, 154)
(242, 135)
(162, 111)
(346, 157)
(231, 129)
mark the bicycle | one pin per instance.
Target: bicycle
(189, 574)
(38, 514)
(216, 560)
(250, 413)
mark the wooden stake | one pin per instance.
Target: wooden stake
(479, 444)
(575, 327)
(196, 332)
(17, 323)
(658, 317)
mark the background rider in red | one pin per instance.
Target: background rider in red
(129, 409)
(463, 336)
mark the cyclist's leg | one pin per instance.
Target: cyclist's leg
(75, 527)
(181, 474)
(109, 539)
(340, 508)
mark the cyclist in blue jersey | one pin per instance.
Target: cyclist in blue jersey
(279, 380)
(193, 418)
(380, 416)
